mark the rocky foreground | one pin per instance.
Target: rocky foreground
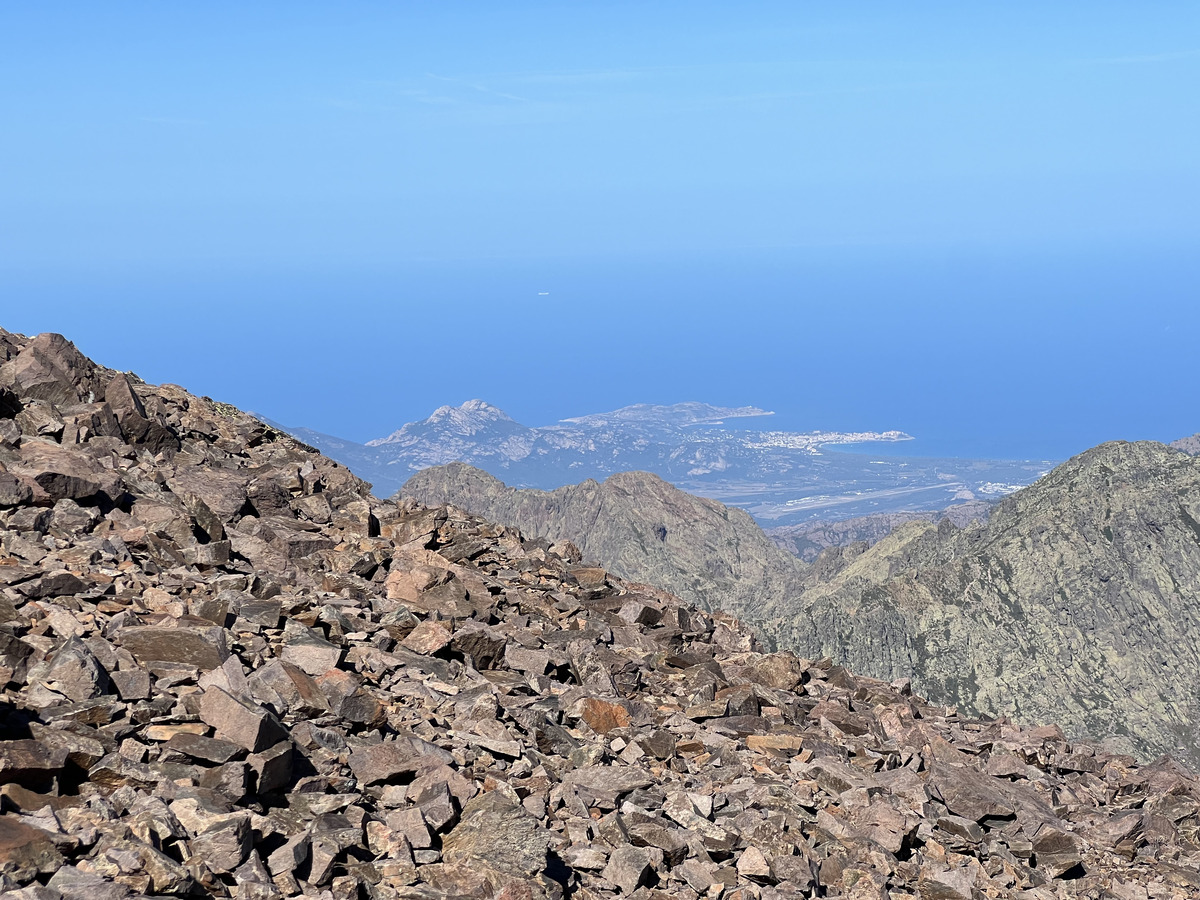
(228, 670)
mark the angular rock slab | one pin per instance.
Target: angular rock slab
(240, 722)
(500, 834)
(204, 648)
(386, 760)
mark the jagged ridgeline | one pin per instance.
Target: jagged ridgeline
(640, 527)
(228, 670)
(1189, 445)
(1078, 601)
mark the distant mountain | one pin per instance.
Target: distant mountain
(639, 527)
(811, 539)
(781, 477)
(474, 419)
(1077, 600)
(1189, 445)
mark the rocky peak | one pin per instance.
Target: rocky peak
(227, 670)
(468, 420)
(640, 527)
(1189, 445)
(1074, 600)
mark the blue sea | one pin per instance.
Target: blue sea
(1019, 355)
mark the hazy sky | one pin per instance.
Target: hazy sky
(977, 224)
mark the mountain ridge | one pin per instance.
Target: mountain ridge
(1189, 445)
(640, 526)
(1099, 557)
(1030, 614)
(468, 420)
(809, 540)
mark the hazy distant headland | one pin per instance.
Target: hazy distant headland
(778, 476)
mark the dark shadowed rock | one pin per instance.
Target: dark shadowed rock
(30, 763)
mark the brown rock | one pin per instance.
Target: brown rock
(290, 856)
(629, 868)
(940, 883)
(781, 671)
(224, 845)
(673, 842)
(775, 743)
(72, 883)
(496, 832)
(239, 721)
(971, 794)
(753, 865)
(273, 768)
(53, 584)
(50, 368)
(427, 638)
(289, 685)
(411, 824)
(482, 646)
(607, 782)
(202, 647)
(386, 760)
(219, 493)
(1056, 851)
(116, 771)
(121, 398)
(347, 697)
(208, 749)
(13, 491)
(309, 653)
(660, 743)
(26, 851)
(601, 715)
(231, 779)
(74, 672)
(131, 684)
(168, 731)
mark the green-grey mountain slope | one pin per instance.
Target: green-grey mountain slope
(1078, 601)
(1080, 596)
(809, 540)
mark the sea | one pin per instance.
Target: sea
(1036, 353)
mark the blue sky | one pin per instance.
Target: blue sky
(977, 224)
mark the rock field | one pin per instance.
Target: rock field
(230, 671)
